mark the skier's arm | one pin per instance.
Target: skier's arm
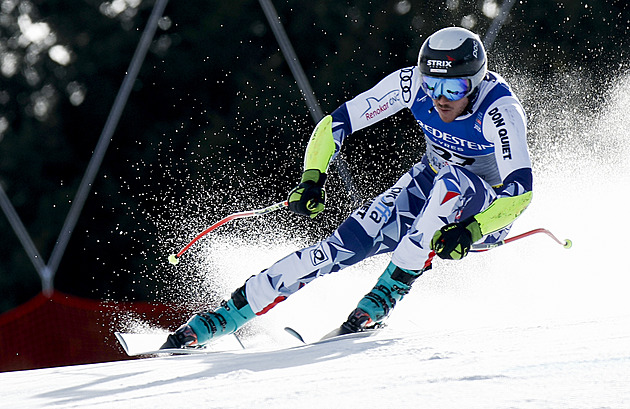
(505, 124)
(502, 212)
(380, 102)
(321, 147)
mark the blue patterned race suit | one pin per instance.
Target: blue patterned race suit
(468, 163)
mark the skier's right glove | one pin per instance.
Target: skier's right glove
(309, 197)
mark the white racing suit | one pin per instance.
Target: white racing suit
(468, 164)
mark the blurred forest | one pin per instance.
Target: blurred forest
(216, 123)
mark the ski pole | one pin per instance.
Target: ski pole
(487, 246)
(174, 258)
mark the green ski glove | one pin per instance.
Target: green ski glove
(309, 197)
(453, 240)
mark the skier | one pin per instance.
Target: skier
(473, 181)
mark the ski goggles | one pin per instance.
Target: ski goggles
(453, 89)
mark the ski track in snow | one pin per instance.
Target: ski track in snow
(527, 325)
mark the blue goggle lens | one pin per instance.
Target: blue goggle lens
(452, 88)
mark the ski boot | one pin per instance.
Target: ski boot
(205, 326)
(374, 307)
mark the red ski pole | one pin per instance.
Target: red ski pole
(487, 246)
(174, 258)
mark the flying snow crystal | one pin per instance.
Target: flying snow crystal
(59, 54)
(35, 33)
(402, 7)
(490, 9)
(9, 64)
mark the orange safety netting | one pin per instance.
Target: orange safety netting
(67, 330)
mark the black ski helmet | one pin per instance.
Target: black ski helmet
(454, 52)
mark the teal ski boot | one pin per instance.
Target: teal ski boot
(208, 325)
(374, 307)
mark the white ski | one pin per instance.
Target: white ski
(149, 344)
(334, 335)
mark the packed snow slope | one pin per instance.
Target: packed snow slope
(527, 325)
(561, 364)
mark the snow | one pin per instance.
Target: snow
(577, 364)
(527, 325)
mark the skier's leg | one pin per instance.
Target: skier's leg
(375, 306)
(456, 194)
(204, 326)
(372, 229)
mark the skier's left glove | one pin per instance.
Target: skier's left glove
(453, 240)
(309, 197)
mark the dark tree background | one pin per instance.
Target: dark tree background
(215, 122)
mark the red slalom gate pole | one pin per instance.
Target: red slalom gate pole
(174, 258)
(487, 246)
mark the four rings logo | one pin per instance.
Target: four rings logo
(405, 83)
